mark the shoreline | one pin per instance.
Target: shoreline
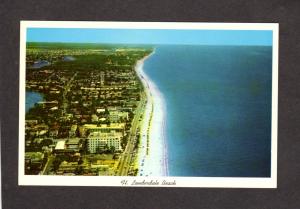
(152, 151)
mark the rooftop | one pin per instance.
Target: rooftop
(101, 134)
(60, 145)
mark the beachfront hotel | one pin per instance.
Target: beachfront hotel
(97, 141)
(104, 128)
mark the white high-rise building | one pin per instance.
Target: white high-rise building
(99, 140)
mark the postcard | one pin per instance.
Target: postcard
(148, 104)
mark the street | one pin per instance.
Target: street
(126, 157)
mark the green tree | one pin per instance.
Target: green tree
(112, 149)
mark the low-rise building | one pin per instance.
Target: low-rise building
(94, 118)
(60, 146)
(116, 116)
(67, 167)
(31, 122)
(34, 157)
(73, 144)
(73, 131)
(33, 162)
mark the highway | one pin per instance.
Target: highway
(126, 157)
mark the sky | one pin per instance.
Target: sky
(150, 36)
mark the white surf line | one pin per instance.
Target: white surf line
(152, 156)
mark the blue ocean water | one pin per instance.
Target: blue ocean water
(218, 108)
(31, 99)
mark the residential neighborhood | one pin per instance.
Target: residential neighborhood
(85, 119)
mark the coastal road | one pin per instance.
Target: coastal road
(126, 157)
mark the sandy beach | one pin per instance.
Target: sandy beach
(152, 154)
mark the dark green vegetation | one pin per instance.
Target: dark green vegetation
(61, 45)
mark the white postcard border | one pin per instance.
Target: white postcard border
(39, 180)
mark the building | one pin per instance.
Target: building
(60, 146)
(94, 118)
(34, 157)
(100, 110)
(67, 167)
(53, 133)
(73, 131)
(31, 122)
(113, 127)
(117, 116)
(73, 144)
(97, 141)
(33, 162)
(70, 145)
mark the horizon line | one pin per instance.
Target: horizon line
(151, 44)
